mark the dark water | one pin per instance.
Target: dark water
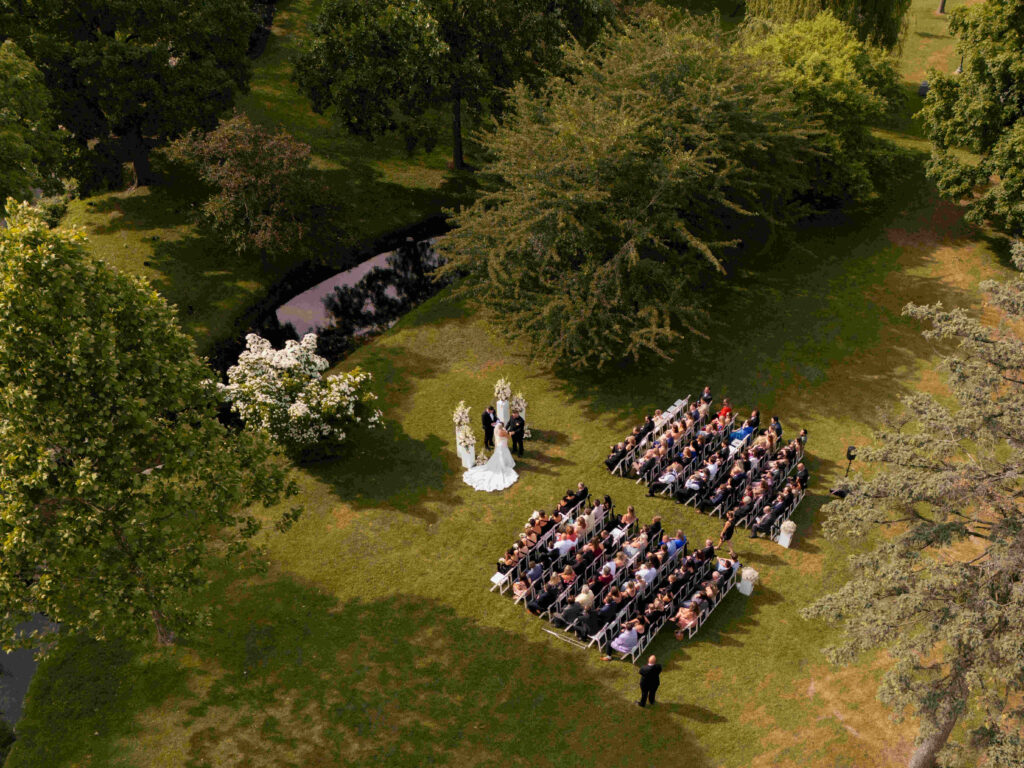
(17, 670)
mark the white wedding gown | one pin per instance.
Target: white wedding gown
(498, 473)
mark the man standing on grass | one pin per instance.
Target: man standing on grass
(650, 679)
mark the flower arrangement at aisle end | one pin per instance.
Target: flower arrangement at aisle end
(519, 404)
(284, 392)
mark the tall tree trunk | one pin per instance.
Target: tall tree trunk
(924, 755)
(164, 636)
(138, 153)
(942, 6)
(458, 161)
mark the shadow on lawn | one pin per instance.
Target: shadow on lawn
(400, 682)
(815, 328)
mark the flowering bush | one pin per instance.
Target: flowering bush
(461, 415)
(464, 437)
(503, 389)
(284, 392)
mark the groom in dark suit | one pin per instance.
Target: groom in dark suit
(488, 418)
(517, 430)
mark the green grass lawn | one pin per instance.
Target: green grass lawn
(374, 640)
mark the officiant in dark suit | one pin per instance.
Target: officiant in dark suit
(489, 417)
(517, 431)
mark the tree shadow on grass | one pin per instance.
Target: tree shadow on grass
(399, 681)
(388, 468)
(815, 326)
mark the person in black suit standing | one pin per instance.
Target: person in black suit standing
(517, 430)
(488, 418)
(650, 679)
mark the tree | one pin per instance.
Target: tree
(119, 488)
(942, 590)
(131, 75)
(283, 392)
(267, 198)
(879, 22)
(617, 187)
(382, 66)
(981, 110)
(847, 87)
(28, 142)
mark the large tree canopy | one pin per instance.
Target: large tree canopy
(28, 141)
(981, 109)
(879, 22)
(118, 485)
(381, 66)
(618, 186)
(132, 74)
(847, 87)
(943, 591)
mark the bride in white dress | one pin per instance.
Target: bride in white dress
(498, 473)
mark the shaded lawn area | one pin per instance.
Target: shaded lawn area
(373, 640)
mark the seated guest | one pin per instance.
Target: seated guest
(521, 587)
(754, 421)
(602, 580)
(648, 573)
(678, 541)
(579, 564)
(685, 618)
(708, 552)
(585, 597)
(694, 484)
(654, 529)
(726, 411)
(568, 616)
(635, 546)
(663, 553)
(581, 492)
(590, 624)
(648, 425)
(568, 576)
(666, 479)
(535, 572)
(507, 561)
(610, 609)
(616, 454)
(628, 638)
(545, 599)
(775, 426)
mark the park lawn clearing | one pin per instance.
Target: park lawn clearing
(374, 640)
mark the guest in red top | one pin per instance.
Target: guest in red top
(726, 413)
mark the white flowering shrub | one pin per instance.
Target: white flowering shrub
(284, 392)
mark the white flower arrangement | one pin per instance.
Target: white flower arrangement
(788, 527)
(284, 392)
(464, 437)
(750, 575)
(502, 389)
(461, 415)
(519, 403)
(482, 458)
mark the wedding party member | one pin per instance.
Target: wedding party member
(517, 429)
(725, 537)
(499, 471)
(650, 679)
(488, 417)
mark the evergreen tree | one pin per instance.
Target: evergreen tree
(118, 485)
(981, 109)
(943, 591)
(382, 66)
